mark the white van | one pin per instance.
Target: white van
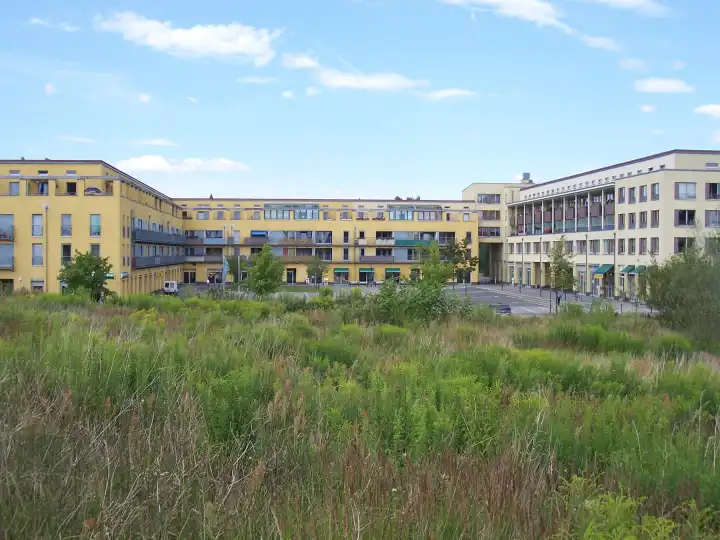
(170, 287)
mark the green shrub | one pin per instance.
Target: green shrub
(390, 335)
(334, 349)
(672, 345)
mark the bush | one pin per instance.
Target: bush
(390, 335)
(672, 345)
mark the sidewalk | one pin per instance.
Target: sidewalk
(527, 292)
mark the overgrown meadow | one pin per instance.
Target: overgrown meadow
(156, 417)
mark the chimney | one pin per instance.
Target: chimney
(526, 178)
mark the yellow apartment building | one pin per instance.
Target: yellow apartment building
(49, 209)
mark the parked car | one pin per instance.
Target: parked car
(501, 309)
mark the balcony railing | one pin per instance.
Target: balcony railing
(157, 237)
(7, 233)
(193, 241)
(214, 241)
(377, 259)
(7, 263)
(296, 258)
(149, 262)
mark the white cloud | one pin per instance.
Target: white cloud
(439, 95)
(708, 110)
(651, 8)
(604, 43)
(73, 139)
(648, 108)
(632, 64)
(539, 12)
(311, 91)
(656, 85)
(144, 98)
(678, 65)
(154, 163)
(50, 89)
(657, 132)
(192, 99)
(287, 94)
(300, 61)
(333, 78)
(256, 80)
(47, 24)
(155, 142)
(221, 40)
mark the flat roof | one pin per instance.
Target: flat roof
(622, 164)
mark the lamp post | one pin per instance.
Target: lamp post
(46, 207)
(522, 263)
(587, 276)
(614, 262)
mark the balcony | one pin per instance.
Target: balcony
(193, 241)
(7, 233)
(296, 258)
(156, 237)
(255, 240)
(406, 243)
(377, 259)
(384, 241)
(7, 263)
(215, 241)
(149, 262)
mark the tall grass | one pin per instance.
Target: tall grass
(158, 417)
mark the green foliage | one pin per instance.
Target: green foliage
(562, 267)
(266, 272)
(237, 266)
(316, 270)
(87, 273)
(433, 271)
(457, 255)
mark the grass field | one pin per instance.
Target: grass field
(163, 418)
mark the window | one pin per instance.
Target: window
(536, 247)
(712, 218)
(488, 198)
(643, 246)
(70, 172)
(277, 214)
(546, 247)
(631, 246)
(621, 246)
(594, 247)
(14, 189)
(345, 215)
(631, 221)
(655, 192)
(428, 216)
(346, 237)
(621, 195)
(685, 191)
(684, 218)
(681, 244)
(42, 173)
(14, 172)
(66, 254)
(95, 228)
(511, 248)
(37, 225)
(307, 214)
(581, 246)
(220, 214)
(493, 232)
(631, 195)
(527, 247)
(236, 214)
(655, 218)
(66, 225)
(569, 246)
(654, 245)
(643, 220)
(468, 237)
(643, 193)
(203, 215)
(621, 221)
(95, 250)
(401, 214)
(711, 165)
(608, 247)
(37, 254)
(490, 214)
(346, 254)
(255, 215)
(466, 217)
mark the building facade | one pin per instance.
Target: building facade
(614, 220)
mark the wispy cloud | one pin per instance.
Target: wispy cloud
(36, 21)
(73, 139)
(708, 110)
(155, 163)
(154, 142)
(311, 91)
(656, 85)
(144, 98)
(193, 100)
(651, 8)
(287, 94)
(336, 79)
(603, 43)
(300, 61)
(648, 108)
(256, 80)
(439, 95)
(49, 89)
(678, 65)
(220, 40)
(632, 64)
(657, 132)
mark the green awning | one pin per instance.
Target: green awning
(627, 269)
(366, 270)
(604, 269)
(639, 269)
(392, 270)
(338, 270)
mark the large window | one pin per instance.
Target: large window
(428, 216)
(654, 245)
(490, 231)
(643, 246)
(631, 221)
(277, 214)
(655, 218)
(621, 195)
(685, 191)
(643, 193)
(655, 192)
(37, 225)
(681, 244)
(490, 214)
(203, 215)
(37, 254)
(643, 220)
(488, 198)
(631, 246)
(307, 214)
(631, 195)
(66, 225)
(95, 228)
(401, 214)
(712, 218)
(684, 218)
(95, 250)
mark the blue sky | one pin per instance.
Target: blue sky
(356, 98)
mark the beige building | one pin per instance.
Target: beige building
(615, 220)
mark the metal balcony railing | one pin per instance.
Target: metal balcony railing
(163, 260)
(157, 237)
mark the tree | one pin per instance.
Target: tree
(458, 255)
(87, 272)
(562, 267)
(265, 273)
(236, 265)
(316, 270)
(434, 271)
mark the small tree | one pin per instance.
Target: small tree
(458, 255)
(237, 266)
(316, 270)
(87, 272)
(562, 267)
(265, 273)
(433, 271)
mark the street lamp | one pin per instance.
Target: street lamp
(587, 276)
